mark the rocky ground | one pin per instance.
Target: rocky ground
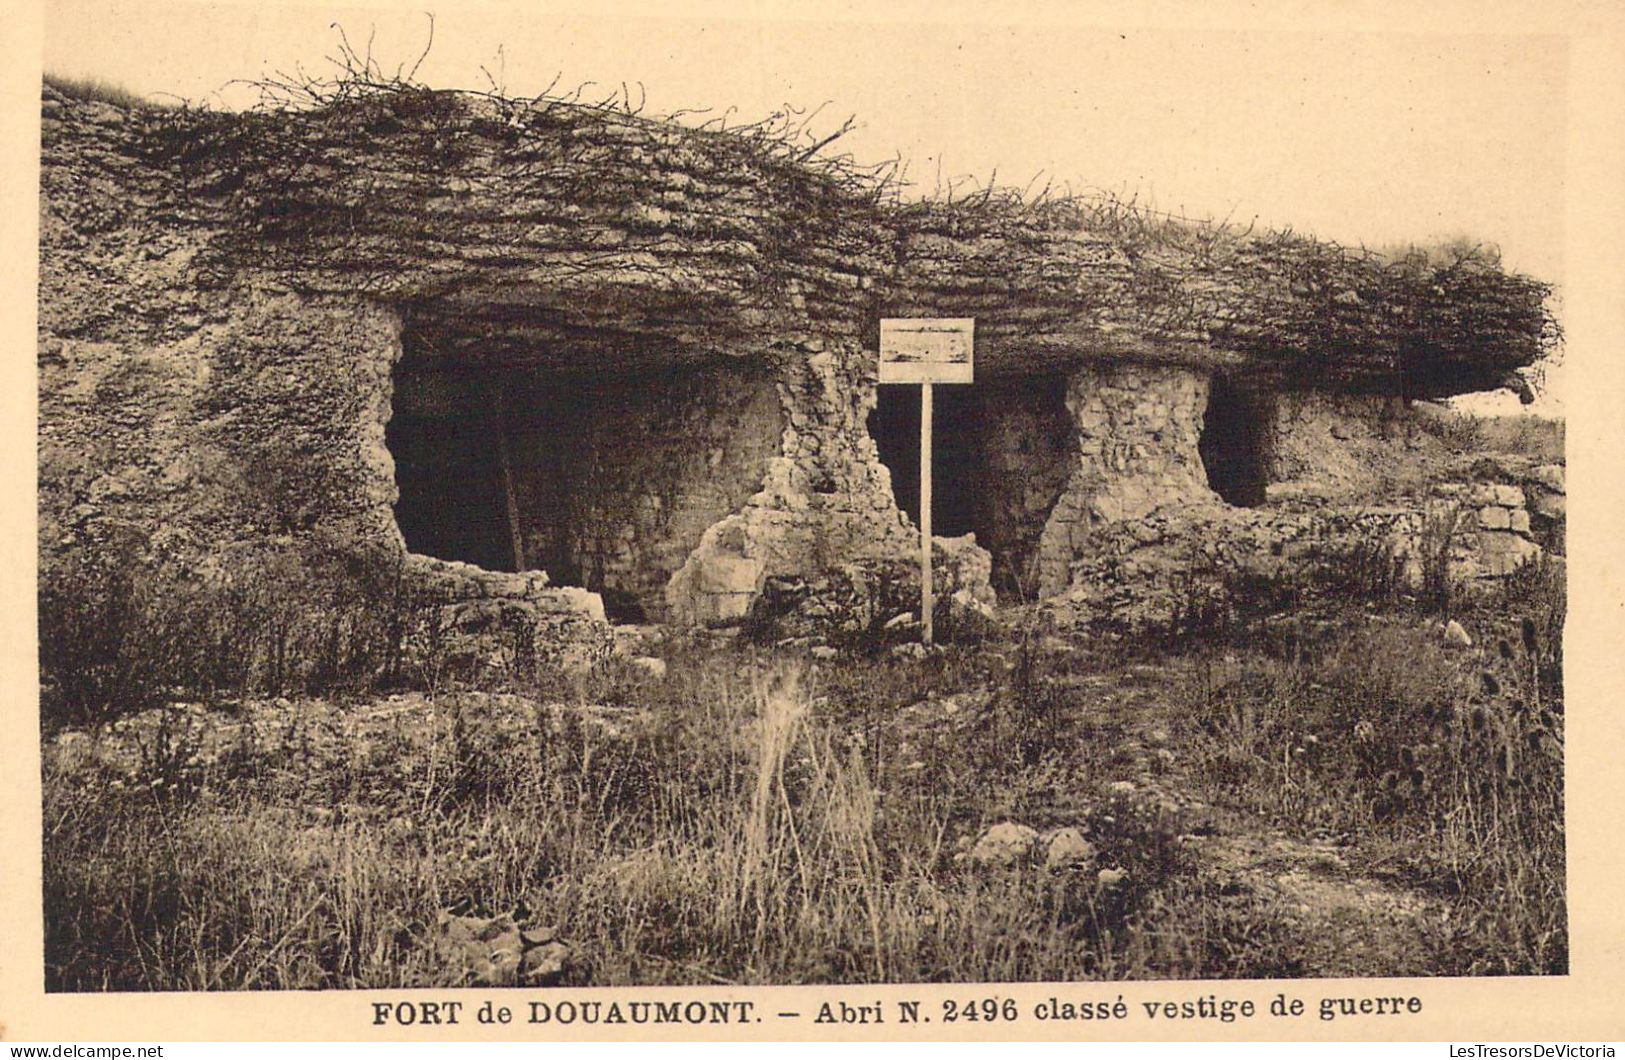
(713, 811)
(1342, 918)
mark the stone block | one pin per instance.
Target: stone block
(727, 573)
(1520, 521)
(1005, 845)
(1551, 505)
(1518, 552)
(478, 951)
(1067, 848)
(724, 607)
(1509, 496)
(1550, 476)
(1494, 518)
(653, 667)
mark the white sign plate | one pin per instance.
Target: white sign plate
(927, 349)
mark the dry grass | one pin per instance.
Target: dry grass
(95, 89)
(743, 839)
(1446, 765)
(755, 818)
(1540, 437)
(752, 820)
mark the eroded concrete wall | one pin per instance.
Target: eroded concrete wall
(232, 422)
(217, 334)
(1358, 488)
(824, 501)
(1325, 444)
(647, 468)
(1138, 428)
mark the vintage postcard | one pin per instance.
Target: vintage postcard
(812, 521)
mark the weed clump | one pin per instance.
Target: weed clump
(121, 634)
(1449, 764)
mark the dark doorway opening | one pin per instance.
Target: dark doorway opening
(1235, 443)
(452, 501)
(895, 426)
(604, 482)
(1004, 449)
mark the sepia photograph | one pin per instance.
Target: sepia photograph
(530, 499)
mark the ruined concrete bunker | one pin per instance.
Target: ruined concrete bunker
(493, 338)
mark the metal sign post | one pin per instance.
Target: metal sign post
(926, 351)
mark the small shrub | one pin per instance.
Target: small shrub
(107, 645)
(1435, 549)
(1461, 432)
(1538, 593)
(94, 89)
(119, 634)
(1368, 569)
(1031, 705)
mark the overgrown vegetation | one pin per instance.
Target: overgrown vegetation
(1538, 437)
(276, 180)
(750, 819)
(743, 837)
(1446, 764)
(120, 633)
(97, 90)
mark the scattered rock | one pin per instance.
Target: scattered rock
(482, 951)
(537, 936)
(1509, 496)
(547, 959)
(1066, 848)
(911, 650)
(651, 666)
(1158, 737)
(969, 609)
(1455, 636)
(1550, 476)
(495, 951)
(1121, 787)
(628, 641)
(70, 738)
(1112, 878)
(1003, 846)
(868, 592)
(824, 652)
